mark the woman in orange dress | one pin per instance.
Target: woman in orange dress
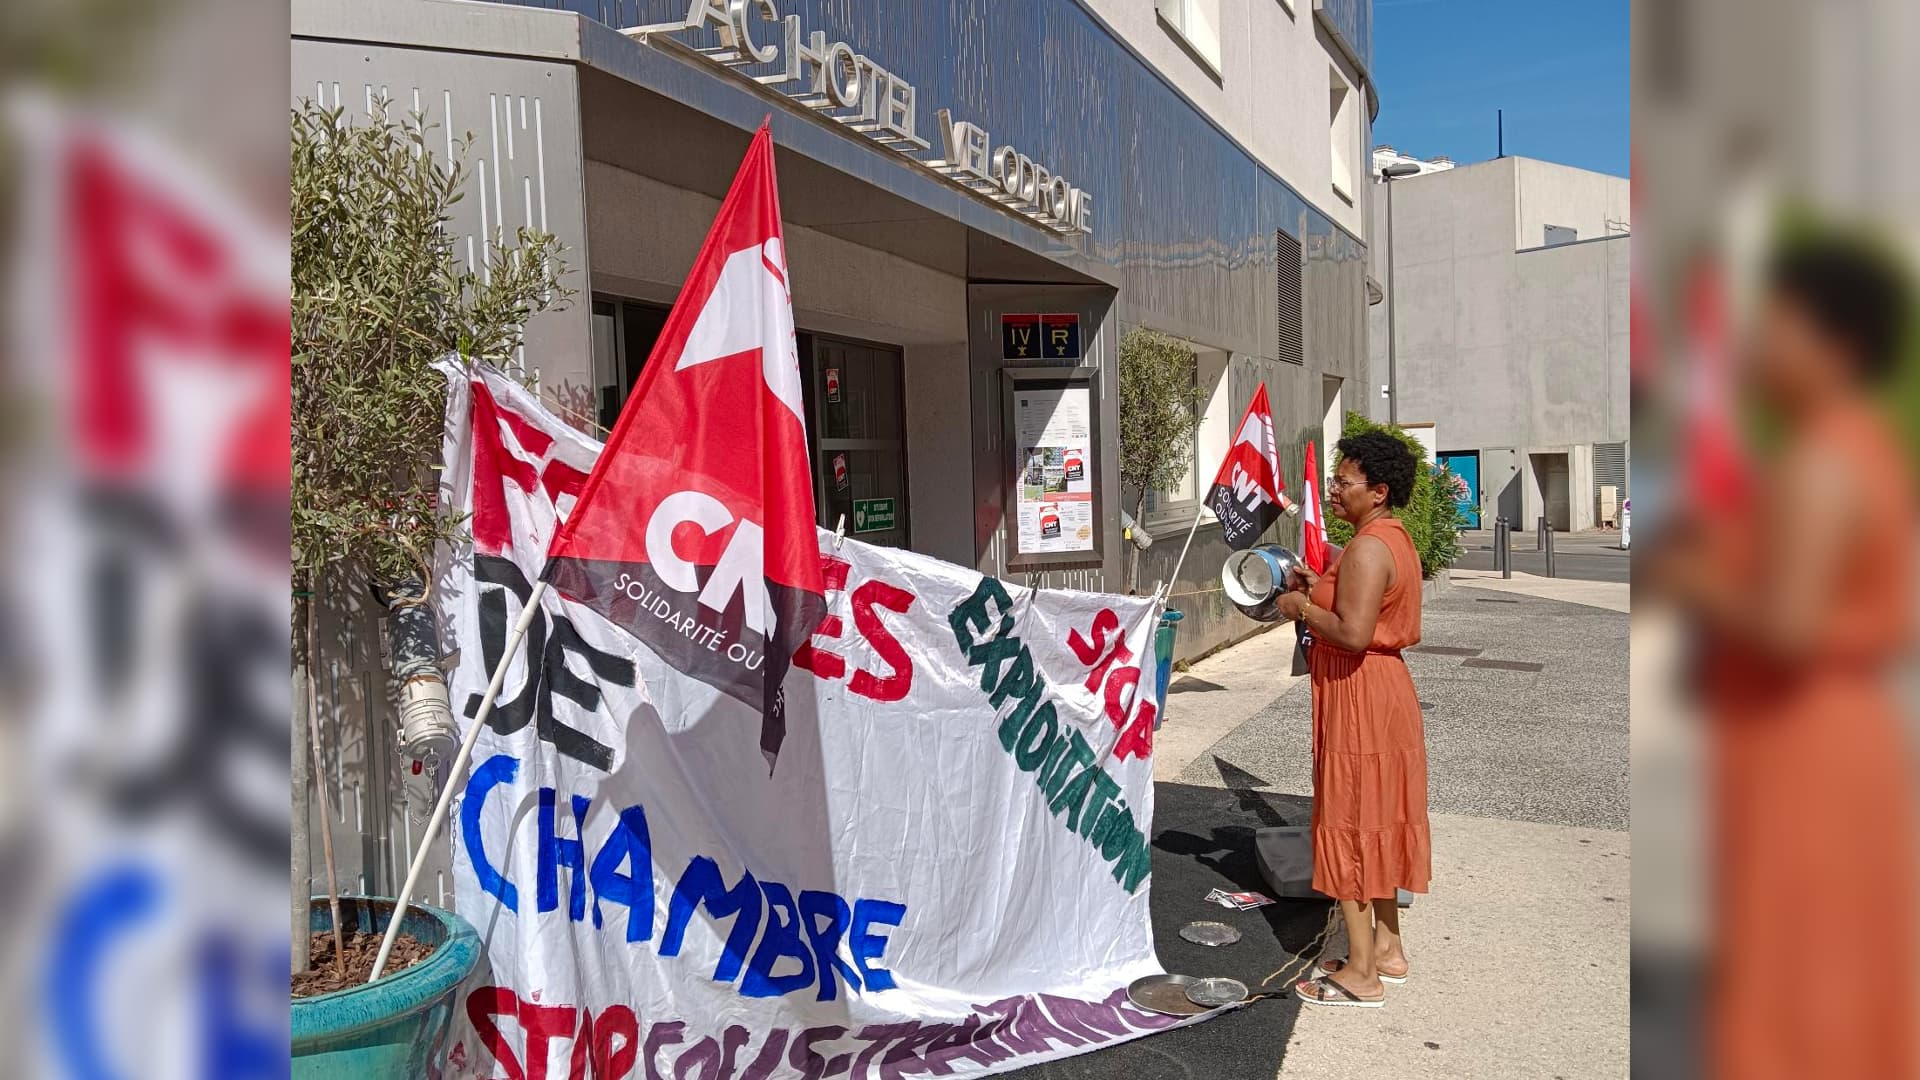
(1803, 604)
(1370, 835)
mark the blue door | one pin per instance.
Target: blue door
(1466, 466)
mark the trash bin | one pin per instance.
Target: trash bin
(1163, 650)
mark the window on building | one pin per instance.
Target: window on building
(624, 333)
(1211, 437)
(1560, 234)
(855, 403)
(1343, 134)
(606, 362)
(1198, 24)
(856, 429)
(1289, 339)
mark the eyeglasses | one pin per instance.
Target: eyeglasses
(1337, 485)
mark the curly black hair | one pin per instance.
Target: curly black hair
(1382, 459)
(1853, 293)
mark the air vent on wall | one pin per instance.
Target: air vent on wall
(1289, 344)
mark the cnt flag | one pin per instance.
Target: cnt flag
(695, 532)
(1248, 494)
(1313, 531)
(1715, 455)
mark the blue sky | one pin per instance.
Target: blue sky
(1558, 67)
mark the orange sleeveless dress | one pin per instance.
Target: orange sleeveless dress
(1370, 834)
(1812, 783)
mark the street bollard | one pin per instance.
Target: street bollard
(1503, 546)
(1540, 531)
(1549, 536)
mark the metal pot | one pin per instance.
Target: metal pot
(1254, 579)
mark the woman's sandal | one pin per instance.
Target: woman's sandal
(1328, 967)
(1324, 991)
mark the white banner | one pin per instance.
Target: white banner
(944, 875)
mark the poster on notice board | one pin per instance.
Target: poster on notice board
(1054, 506)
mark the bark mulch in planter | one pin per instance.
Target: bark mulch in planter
(361, 949)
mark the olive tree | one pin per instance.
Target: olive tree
(1159, 410)
(378, 295)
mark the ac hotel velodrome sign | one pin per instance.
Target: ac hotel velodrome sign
(834, 78)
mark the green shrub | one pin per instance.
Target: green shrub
(1432, 516)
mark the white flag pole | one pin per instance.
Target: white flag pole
(1175, 576)
(455, 775)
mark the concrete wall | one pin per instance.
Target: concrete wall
(1447, 226)
(523, 165)
(1271, 91)
(1334, 298)
(1505, 344)
(1549, 194)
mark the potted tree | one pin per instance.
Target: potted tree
(1159, 410)
(377, 297)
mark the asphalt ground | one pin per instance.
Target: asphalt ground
(1522, 944)
(1203, 840)
(1548, 746)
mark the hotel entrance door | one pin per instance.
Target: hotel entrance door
(857, 433)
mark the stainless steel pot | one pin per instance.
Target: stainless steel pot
(1254, 579)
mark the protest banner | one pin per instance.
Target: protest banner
(945, 874)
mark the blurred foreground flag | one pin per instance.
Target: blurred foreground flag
(148, 614)
(1714, 456)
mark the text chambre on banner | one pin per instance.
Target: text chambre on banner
(806, 929)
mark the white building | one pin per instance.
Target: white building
(1385, 156)
(1508, 281)
(1205, 167)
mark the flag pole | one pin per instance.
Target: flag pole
(1177, 563)
(454, 776)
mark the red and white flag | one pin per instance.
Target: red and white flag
(1313, 531)
(1717, 465)
(695, 532)
(1248, 494)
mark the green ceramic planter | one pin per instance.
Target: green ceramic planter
(396, 1027)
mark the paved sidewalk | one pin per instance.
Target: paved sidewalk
(1611, 595)
(1221, 692)
(1225, 690)
(1520, 951)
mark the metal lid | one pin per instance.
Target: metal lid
(1214, 993)
(1209, 933)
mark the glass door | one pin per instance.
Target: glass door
(857, 430)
